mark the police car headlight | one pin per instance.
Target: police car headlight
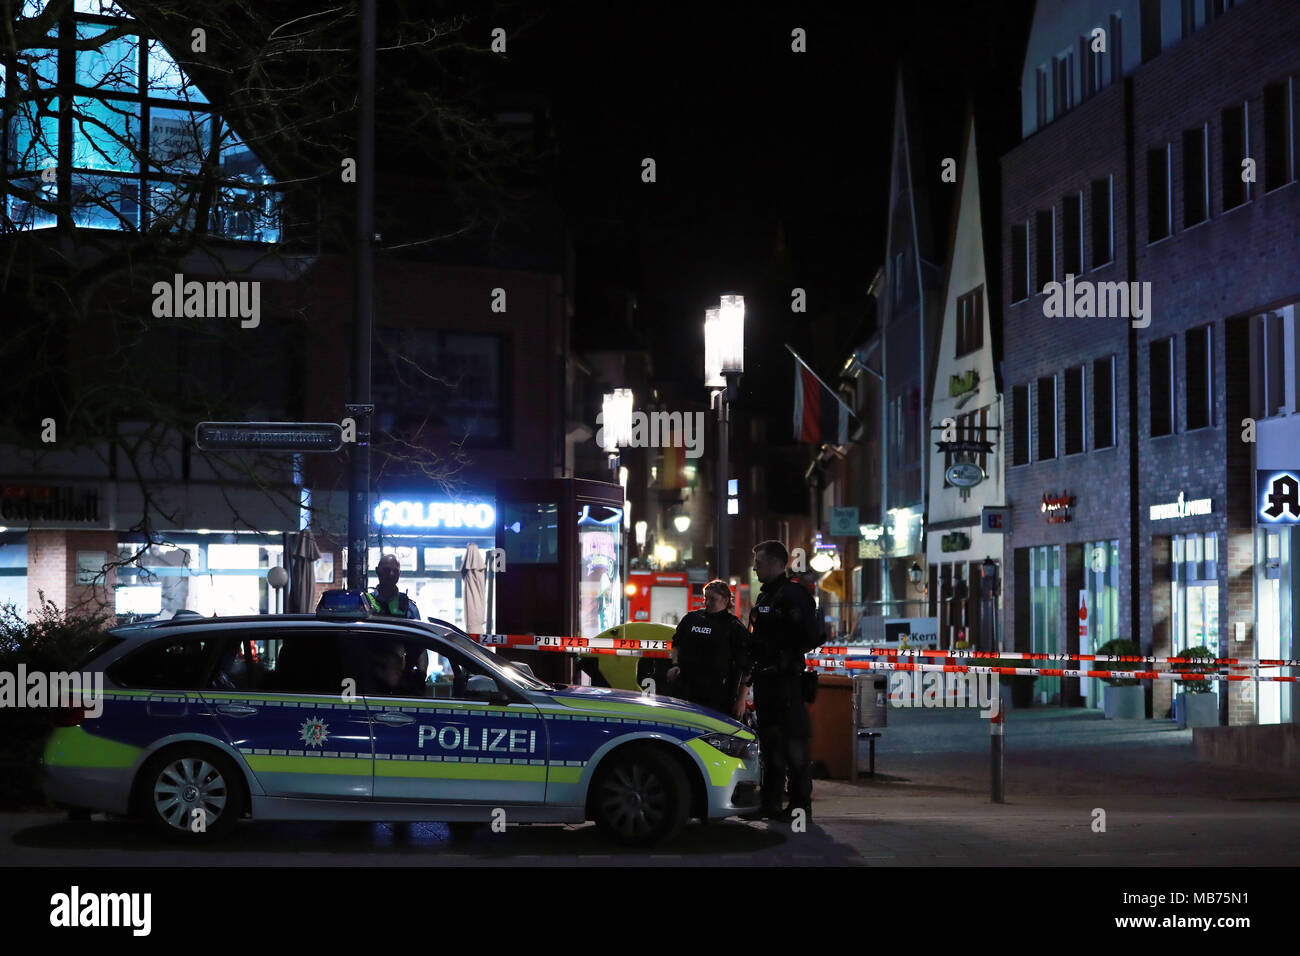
(732, 746)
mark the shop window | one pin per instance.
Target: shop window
(1074, 406)
(1196, 176)
(1279, 134)
(1150, 27)
(1020, 425)
(1159, 201)
(1195, 592)
(1199, 378)
(1162, 387)
(1233, 129)
(1103, 229)
(1103, 402)
(1046, 417)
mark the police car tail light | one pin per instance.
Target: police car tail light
(729, 745)
(342, 604)
(71, 716)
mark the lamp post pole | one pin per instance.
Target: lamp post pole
(724, 439)
(361, 407)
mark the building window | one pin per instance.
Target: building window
(1046, 417)
(1072, 220)
(1116, 47)
(970, 322)
(1041, 90)
(129, 90)
(1159, 201)
(1020, 425)
(1045, 234)
(1063, 83)
(1268, 363)
(1103, 402)
(1103, 228)
(433, 385)
(1213, 8)
(1019, 262)
(1074, 406)
(1089, 68)
(1195, 592)
(1162, 387)
(1150, 27)
(1045, 612)
(1279, 134)
(1200, 378)
(1234, 131)
(1189, 18)
(1196, 176)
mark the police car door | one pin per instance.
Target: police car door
(280, 696)
(455, 735)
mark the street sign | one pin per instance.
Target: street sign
(269, 436)
(844, 522)
(965, 445)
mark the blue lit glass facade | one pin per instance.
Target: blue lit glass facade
(134, 143)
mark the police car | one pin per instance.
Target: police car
(341, 716)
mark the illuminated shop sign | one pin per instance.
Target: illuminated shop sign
(1278, 493)
(435, 514)
(1057, 507)
(1182, 508)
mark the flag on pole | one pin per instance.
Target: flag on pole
(820, 416)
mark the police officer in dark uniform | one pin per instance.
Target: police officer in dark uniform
(710, 654)
(387, 601)
(783, 627)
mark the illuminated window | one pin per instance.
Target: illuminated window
(113, 179)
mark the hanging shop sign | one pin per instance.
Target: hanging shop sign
(955, 541)
(961, 384)
(1057, 507)
(844, 522)
(39, 506)
(964, 474)
(1182, 508)
(968, 446)
(995, 520)
(1278, 494)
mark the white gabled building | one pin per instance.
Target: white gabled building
(966, 389)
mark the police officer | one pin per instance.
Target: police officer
(385, 599)
(783, 627)
(710, 654)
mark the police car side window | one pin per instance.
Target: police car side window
(166, 664)
(285, 662)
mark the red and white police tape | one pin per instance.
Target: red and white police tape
(839, 664)
(868, 651)
(620, 646)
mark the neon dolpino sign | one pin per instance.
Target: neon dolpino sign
(434, 514)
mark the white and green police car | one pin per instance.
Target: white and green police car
(341, 716)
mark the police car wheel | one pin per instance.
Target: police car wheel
(178, 783)
(640, 797)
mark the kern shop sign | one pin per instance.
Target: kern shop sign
(54, 506)
(1057, 507)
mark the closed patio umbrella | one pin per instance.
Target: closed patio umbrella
(474, 574)
(303, 552)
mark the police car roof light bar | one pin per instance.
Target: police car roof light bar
(341, 604)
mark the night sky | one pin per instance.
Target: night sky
(752, 140)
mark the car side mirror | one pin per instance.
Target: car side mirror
(485, 688)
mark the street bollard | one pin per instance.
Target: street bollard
(996, 740)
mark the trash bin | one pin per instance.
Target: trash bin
(833, 737)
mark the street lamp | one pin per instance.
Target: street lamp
(724, 363)
(682, 523)
(616, 424)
